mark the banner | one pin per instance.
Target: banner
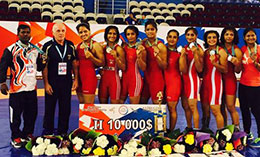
(122, 119)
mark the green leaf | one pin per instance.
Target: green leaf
(29, 146)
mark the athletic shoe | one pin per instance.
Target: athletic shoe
(250, 136)
(17, 143)
(256, 143)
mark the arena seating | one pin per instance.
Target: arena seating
(215, 13)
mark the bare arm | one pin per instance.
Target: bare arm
(220, 65)
(198, 58)
(119, 56)
(99, 60)
(161, 55)
(237, 61)
(141, 57)
(183, 62)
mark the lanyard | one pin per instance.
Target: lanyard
(150, 45)
(250, 53)
(232, 49)
(64, 53)
(135, 45)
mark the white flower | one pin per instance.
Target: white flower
(123, 153)
(66, 151)
(77, 140)
(133, 143)
(35, 151)
(102, 141)
(227, 133)
(39, 140)
(47, 141)
(179, 148)
(78, 146)
(51, 150)
(155, 152)
(61, 151)
(141, 150)
(216, 146)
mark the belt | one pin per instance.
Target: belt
(110, 68)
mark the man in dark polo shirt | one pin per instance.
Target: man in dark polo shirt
(58, 83)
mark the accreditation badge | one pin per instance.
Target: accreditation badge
(30, 71)
(62, 68)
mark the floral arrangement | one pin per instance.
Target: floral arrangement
(133, 148)
(186, 143)
(106, 144)
(83, 141)
(47, 145)
(224, 138)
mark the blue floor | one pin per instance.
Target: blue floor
(7, 150)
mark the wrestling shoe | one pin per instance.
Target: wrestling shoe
(256, 143)
(17, 143)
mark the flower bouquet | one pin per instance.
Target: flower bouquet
(83, 141)
(106, 144)
(186, 143)
(207, 143)
(239, 140)
(224, 138)
(46, 145)
(160, 145)
(133, 148)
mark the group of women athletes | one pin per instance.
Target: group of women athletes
(174, 72)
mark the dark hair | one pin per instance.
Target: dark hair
(133, 28)
(108, 29)
(206, 45)
(22, 26)
(149, 22)
(83, 25)
(235, 40)
(248, 29)
(173, 30)
(191, 29)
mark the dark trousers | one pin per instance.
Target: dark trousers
(62, 94)
(23, 103)
(249, 98)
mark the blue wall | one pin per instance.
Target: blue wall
(89, 5)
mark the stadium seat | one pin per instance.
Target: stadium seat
(101, 18)
(143, 4)
(176, 13)
(3, 10)
(57, 8)
(164, 24)
(146, 11)
(189, 7)
(166, 12)
(47, 7)
(68, 8)
(69, 21)
(170, 20)
(133, 4)
(180, 6)
(58, 21)
(57, 15)
(90, 16)
(47, 2)
(46, 16)
(80, 17)
(156, 12)
(136, 11)
(150, 17)
(119, 19)
(79, 9)
(25, 8)
(199, 7)
(78, 3)
(92, 22)
(171, 6)
(55, 2)
(36, 7)
(159, 19)
(36, 2)
(26, 2)
(152, 5)
(162, 6)
(185, 13)
(68, 16)
(68, 3)
(15, 2)
(13, 10)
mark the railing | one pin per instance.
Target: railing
(111, 6)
